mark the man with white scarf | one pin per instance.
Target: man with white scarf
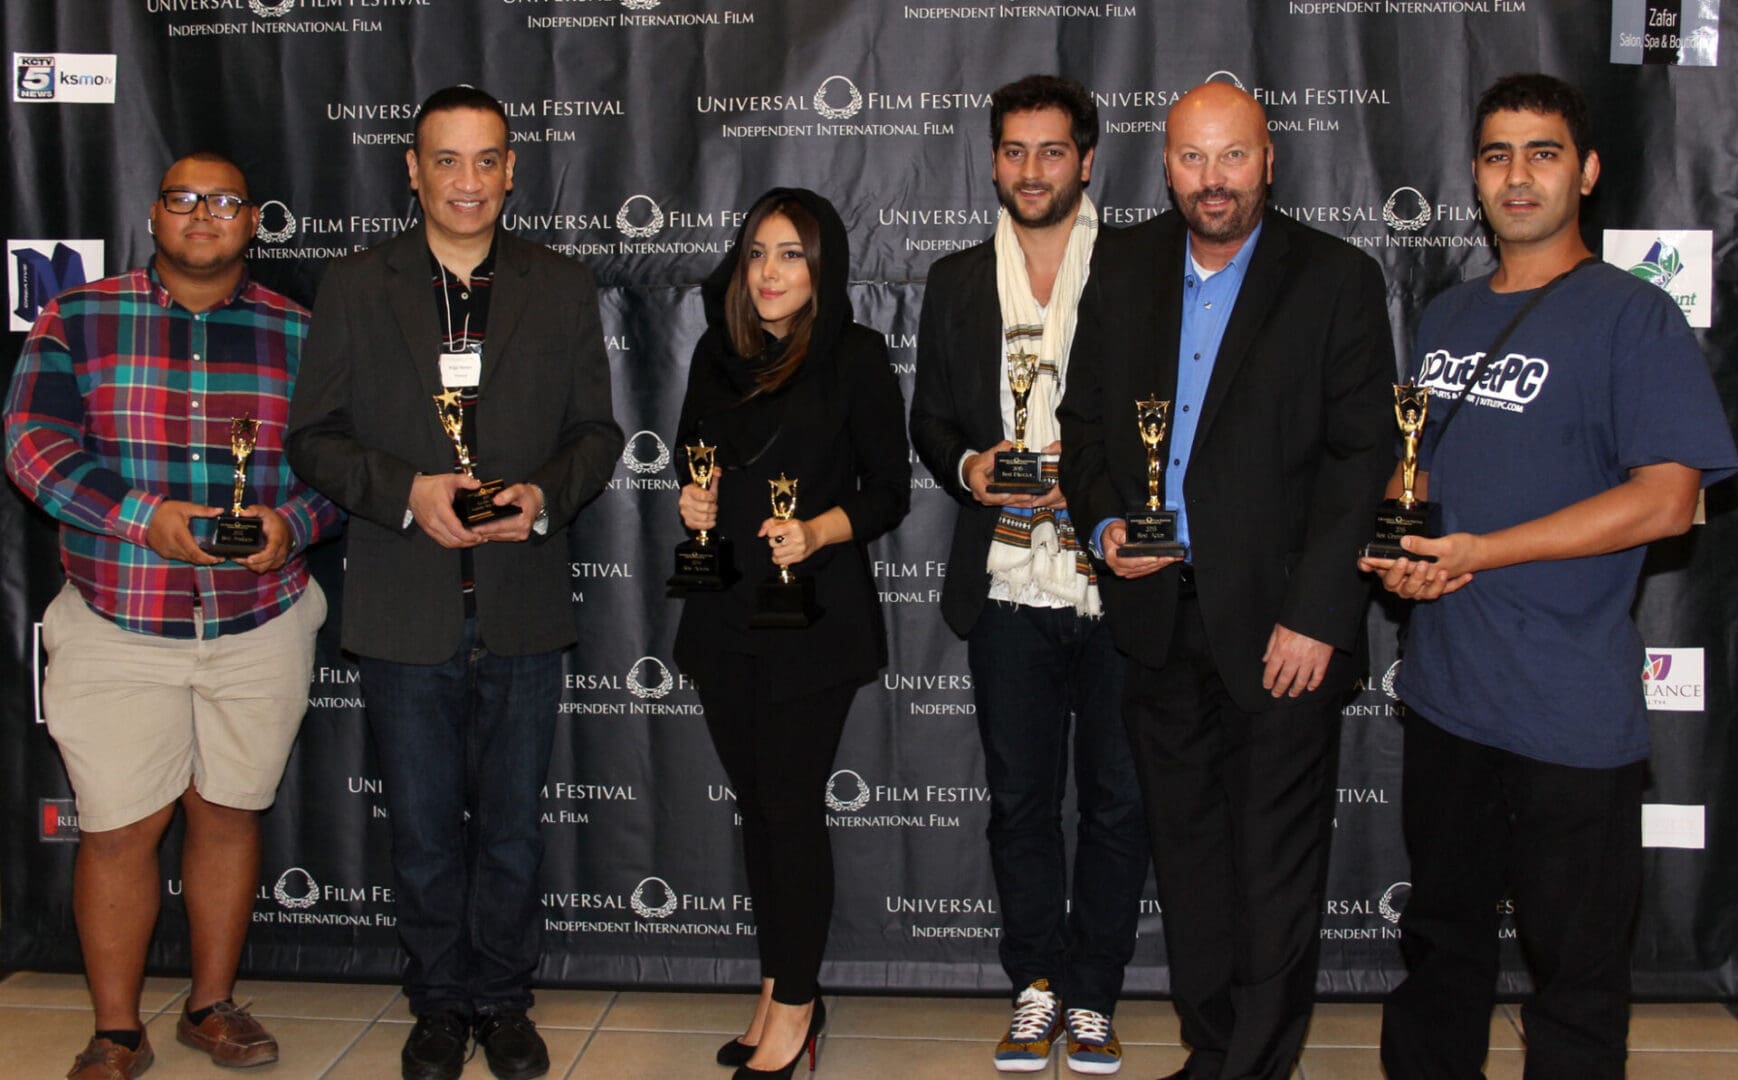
(1024, 594)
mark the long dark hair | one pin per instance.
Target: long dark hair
(740, 314)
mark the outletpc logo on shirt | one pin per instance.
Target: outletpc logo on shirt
(1510, 383)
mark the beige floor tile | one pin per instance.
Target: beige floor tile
(1337, 1063)
(1682, 1065)
(42, 1041)
(643, 1055)
(722, 1014)
(53, 991)
(1358, 1025)
(1153, 1022)
(315, 1001)
(307, 1048)
(1682, 1027)
(918, 1017)
(376, 1055)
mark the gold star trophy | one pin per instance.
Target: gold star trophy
(1152, 527)
(705, 562)
(786, 599)
(1407, 515)
(1020, 471)
(235, 536)
(476, 506)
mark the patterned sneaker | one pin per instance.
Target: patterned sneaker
(1036, 1024)
(1093, 1047)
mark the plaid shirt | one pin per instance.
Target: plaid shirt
(121, 400)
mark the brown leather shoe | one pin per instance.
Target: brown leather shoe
(232, 1037)
(104, 1060)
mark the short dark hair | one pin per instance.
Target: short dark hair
(1537, 93)
(210, 157)
(461, 96)
(1047, 92)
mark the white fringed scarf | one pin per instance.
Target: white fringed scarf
(1038, 548)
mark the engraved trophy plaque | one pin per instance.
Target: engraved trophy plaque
(235, 536)
(1020, 471)
(784, 600)
(1152, 529)
(1407, 515)
(704, 562)
(473, 507)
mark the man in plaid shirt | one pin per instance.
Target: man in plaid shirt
(175, 677)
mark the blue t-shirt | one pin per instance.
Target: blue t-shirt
(1542, 658)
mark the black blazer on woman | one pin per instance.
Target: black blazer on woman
(838, 428)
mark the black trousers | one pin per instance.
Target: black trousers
(778, 756)
(1481, 822)
(1240, 810)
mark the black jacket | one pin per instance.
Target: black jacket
(837, 427)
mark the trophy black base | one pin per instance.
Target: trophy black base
(476, 507)
(1152, 533)
(1018, 472)
(1394, 521)
(786, 605)
(234, 536)
(701, 567)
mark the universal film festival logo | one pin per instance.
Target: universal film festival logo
(1679, 261)
(1682, 32)
(87, 78)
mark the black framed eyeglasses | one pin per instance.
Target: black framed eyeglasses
(222, 207)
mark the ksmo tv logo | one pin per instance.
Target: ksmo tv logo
(1679, 261)
(63, 77)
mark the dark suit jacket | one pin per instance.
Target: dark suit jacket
(363, 424)
(957, 407)
(1294, 444)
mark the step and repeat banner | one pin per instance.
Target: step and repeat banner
(644, 129)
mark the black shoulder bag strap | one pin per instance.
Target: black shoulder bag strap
(1502, 338)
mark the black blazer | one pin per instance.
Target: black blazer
(1294, 444)
(956, 407)
(363, 424)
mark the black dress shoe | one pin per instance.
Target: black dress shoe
(512, 1046)
(734, 1053)
(436, 1047)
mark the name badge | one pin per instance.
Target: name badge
(461, 369)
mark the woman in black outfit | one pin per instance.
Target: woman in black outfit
(785, 382)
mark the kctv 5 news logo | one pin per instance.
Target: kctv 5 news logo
(58, 77)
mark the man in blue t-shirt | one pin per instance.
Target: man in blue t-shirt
(1583, 439)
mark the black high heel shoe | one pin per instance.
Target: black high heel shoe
(734, 1053)
(817, 1021)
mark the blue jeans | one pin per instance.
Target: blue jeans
(1032, 668)
(471, 736)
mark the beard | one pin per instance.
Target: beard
(1247, 206)
(1064, 202)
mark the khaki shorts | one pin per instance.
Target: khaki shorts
(137, 717)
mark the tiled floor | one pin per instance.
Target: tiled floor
(353, 1032)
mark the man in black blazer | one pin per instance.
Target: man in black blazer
(1042, 660)
(459, 624)
(1271, 341)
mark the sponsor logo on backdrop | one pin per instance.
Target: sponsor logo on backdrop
(966, 226)
(1406, 218)
(1376, 684)
(572, 802)
(74, 78)
(637, 692)
(918, 806)
(646, 227)
(964, 917)
(1509, 384)
(1672, 680)
(284, 234)
(909, 582)
(303, 900)
(1685, 32)
(963, 12)
(932, 693)
(596, 570)
(1408, 7)
(1672, 825)
(537, 120)
(373, 789)
(647, 457)
(338, 687)
(57, 821)
(1679, 261)
(209, 18)
(642, 13)
(653, 906)
(841, 106)
(1377, 918)
(39, 270)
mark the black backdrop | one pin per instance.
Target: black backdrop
(643, 127)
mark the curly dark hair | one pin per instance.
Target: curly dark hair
(1537, 93)
(1047, 92)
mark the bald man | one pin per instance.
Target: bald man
(1271, 342)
